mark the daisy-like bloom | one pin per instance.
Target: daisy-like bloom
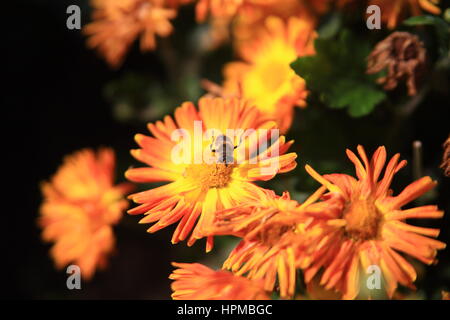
(360, 224)
(269, 228)
(197, 189)
(194, 281)
(250, 24)
(265, 76)
(81, 205)
(393, 11)
(118, 23)
(223, 15)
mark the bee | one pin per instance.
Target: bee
(223, 146)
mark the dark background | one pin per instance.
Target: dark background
(56, 99)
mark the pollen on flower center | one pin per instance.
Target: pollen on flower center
(363, 219)
(216, 175)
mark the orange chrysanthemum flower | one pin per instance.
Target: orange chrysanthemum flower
(320, 7)
(198, 189)
(226, 8)
(250, 24)
(360, 223)
(178, 3)
(81, 204)
(194, 281)
(265, 77)
(393, 11)
(117, 23)
(224, 15)
(269, 228)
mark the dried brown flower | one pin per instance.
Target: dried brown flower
(403, 55)
(446, 158)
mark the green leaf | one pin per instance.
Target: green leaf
(363, 100)
(424, 20)
(441, 26)
(360, 98)
(337, 74)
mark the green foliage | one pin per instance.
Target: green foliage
(440, 25)
(359, 97)
(337, 73)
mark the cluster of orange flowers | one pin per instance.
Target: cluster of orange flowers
(333, 237)
(344, 227)
(267, 35)
(118, 23)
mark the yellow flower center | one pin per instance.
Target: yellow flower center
(267, 82)
(270, 77)
(363, 219)
(216, 175)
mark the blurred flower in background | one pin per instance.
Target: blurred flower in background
(118, 23)
(445, 295)
(265, 76)
(225, 8)
(81, 204)
(198, 189)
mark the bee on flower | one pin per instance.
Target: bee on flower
(80, 206)
(200, 181)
